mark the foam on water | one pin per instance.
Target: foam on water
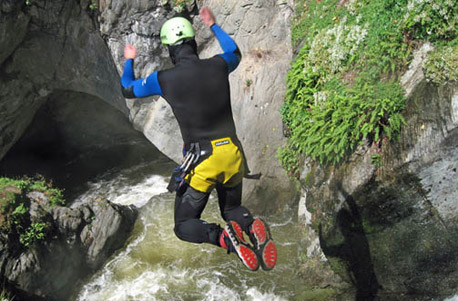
(155, 265)
(120, 189)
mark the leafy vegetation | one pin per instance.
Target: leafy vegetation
(435, 21)
(343, 87)
(179, 5)
(15, 216)
(5, 295)
(93, 5)
(376, 160)
(442, 64)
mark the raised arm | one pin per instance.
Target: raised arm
(232, 54)
(143, 87)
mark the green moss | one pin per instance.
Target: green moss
(370, 228)
(310, 177)
(442, 64)
(376, 160)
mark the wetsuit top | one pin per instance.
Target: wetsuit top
(197, 90)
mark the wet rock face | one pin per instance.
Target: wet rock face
(79, 240)
(390, 226)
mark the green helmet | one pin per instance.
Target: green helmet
(175, 30)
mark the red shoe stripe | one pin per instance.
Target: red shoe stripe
(245, 253)
(269, 255)
(264, 244)
(238, 229)
(260, 231)
(222, 243)
(249, 258)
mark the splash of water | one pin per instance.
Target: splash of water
(155, 265)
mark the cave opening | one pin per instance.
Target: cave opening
(73, 138)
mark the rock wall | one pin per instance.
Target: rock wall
(48, 46)
(261, 29)
(386, 218)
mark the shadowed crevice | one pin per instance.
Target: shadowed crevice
(354, 250)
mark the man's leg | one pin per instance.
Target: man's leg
(188, 225)
(230, 204)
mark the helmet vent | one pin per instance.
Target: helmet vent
(175, 30)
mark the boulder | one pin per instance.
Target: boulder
(78, 241)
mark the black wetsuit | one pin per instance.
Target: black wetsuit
(199, 95)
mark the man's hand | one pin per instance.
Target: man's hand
(130, 52)
(207, 16)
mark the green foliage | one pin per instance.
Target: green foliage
(36, 231)
(343, 86)
(93, 5)
(180, 5)
(328, 118)
(442, 65)
(290, 159)
(5, 295)
(15, 206)
(376, 160)
(432, 20)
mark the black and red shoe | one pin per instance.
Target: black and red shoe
(263, 243)
(232, 239)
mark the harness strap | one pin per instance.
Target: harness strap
(248, 174)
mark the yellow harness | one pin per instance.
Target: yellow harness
(225, 165)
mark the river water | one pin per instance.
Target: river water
(155, 265)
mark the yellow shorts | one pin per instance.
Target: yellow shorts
(225, 165)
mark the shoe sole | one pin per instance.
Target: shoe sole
(245, 252)
(238, 230)
(264, 244)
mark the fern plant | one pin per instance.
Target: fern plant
(343, 86)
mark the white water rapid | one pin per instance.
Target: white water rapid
(155, 265)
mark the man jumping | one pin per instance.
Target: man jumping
(199, 95)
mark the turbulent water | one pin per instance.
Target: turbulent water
(155, 265)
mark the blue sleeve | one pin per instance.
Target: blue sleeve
(231, 54)
(142, 87)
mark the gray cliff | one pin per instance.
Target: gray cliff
(386, 219)
(49, 47)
